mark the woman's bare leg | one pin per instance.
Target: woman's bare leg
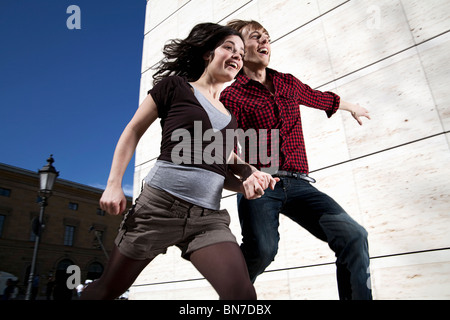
(118, 276)
(223, 265)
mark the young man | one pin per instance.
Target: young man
(262, 98)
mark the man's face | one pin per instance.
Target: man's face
(257, 47)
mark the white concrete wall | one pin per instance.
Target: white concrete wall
(392, 174)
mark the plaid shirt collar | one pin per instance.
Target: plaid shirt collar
(243, 80)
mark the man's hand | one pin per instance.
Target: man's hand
(356, 110)
(253, 187)
(360, 112)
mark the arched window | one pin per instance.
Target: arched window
(95, 270)
(61, 292)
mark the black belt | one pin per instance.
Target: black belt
(296, 175)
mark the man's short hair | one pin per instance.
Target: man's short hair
(239, 25)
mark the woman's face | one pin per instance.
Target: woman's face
(227, 59)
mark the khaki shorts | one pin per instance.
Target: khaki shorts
(159, 220)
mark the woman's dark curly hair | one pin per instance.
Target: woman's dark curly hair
(185, 57)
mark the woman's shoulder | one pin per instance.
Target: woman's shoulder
(174, 79)
(169, 83)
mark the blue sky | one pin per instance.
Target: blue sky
(66, 92)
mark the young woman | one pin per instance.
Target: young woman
(180, 202)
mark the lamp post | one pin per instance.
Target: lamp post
(47, 177)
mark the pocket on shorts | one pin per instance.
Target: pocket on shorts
(220, 215)
(130, 212)
(156, 199)
(123, 225)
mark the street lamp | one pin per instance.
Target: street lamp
(47, 177)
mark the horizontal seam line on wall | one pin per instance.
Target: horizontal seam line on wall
(369, 155)
(244, 5)
(300, 267)
(274, 41)
(382, 59)
(165, 19)
(381, 151)
(350, 160)
(309, 22)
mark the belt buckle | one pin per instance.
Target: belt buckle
(309, 179)
(303, 176)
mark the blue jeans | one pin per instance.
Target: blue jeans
(317, 213)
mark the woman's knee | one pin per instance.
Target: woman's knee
(240, 291)
(248, 293)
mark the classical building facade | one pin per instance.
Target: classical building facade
(72, 220)
(392, 174)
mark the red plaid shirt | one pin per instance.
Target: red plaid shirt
(255, 107)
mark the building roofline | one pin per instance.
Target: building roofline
(13, 169)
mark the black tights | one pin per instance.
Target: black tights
(221, 264)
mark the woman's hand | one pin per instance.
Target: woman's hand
(113, 200)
